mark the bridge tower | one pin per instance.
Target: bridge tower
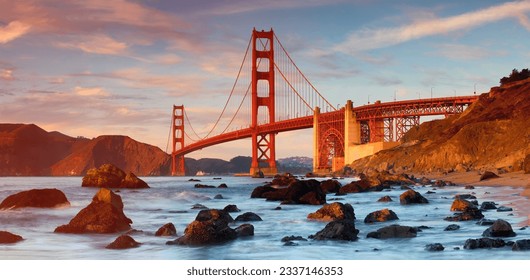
(177, 129)
(263, 144)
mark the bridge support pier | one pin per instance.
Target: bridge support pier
(177, 128)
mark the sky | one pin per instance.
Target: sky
(116, 67)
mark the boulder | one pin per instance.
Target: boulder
(412, 197)
(199, 206)
(385, 198)
(248, 217)
(209, 227)
(231, 208)
(435, 247)
(488, 175)
(467, 215)
(465, 196)
(283, 179)
(298, 192)
(9, 238)
(293, 238)
(103, 215)
(488, 205)
(333, 211)
(41, 198)
(521, 245)
(485, 222)
(393, 231)
(504, 209)
(381, 216)
(203, 186)
(337, 230)
(123, 242)
(110, 176)
(218, 196)
(222, 186)
(481, 243)
(500, 228)
(469, 187)
(167, 230)
(330, 186)
(260, 191)
(462, 205)
(245, 230)
(452, 227)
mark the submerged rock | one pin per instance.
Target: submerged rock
(110, 176)
(103, 215)
(500, 228)
(293, 238)
(435, 247)
(209, 227)
(231, 208)
(385, 198)
(481, 243)
(333, 211)
(123, 242)
(248, 217)
(467, 215)
(9, 238)
(298, 192)
(393, 231)
(488, 205)
(412, 197)
(452, 227)
(41, 198)
(167, 230)
(381, 216)
(245, 230)
(521, 245)
(504, 209)
(337, 230)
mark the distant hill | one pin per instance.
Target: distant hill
(295, 165)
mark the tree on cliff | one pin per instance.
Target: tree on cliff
(516, 76)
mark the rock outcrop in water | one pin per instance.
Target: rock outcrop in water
(298, 192)
(103, 215)
(123, 242)
(375, 181)
(209, 227)
(41, 198)
(412, 197)
(9, 238)
(332, 212)
(393, 231)
(110, 176)
(381, 216)
(166, 230)
(337, 230)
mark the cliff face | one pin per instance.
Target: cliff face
(493, 133)
(28, 150)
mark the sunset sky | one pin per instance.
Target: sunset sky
(95, 67)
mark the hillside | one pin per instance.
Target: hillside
(492, 134)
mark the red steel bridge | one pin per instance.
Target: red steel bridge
(271, 95)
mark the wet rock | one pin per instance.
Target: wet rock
(277, 208)
(218, 196)
(337, 230)
(412, 197)
(452, 227)
(430, 192)
(488, 205)
(110, 176)
(376, 181)
(481, 243)
(333, 211)
(248, 217)
(9, 238)
(222, 186)
(440, 183)
(167, 230)
(462, 205)
(259, 192)
(290, 243)
(209, 227)
(231, 208)
(465, 196)
(123, 242)
(469, 187)
(293, 238)
(521, 245)
(504, 209)
(469, 214)
(203, 186)
(393, 231)
(103, 215)
(424, 181)
(41, 198)
(435, 247)
(330, 186)
(385, 198)
(245, 230)
(381, 216)
(488, 175)
(485, 222)
(283, 179)
(194, 180)
(500, 228)
(298, 192)
(198, 206)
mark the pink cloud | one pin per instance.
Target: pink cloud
(12, 31)
(97, 43)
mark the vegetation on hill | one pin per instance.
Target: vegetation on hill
(515, 76)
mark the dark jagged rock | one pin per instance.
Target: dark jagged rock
(167, 230)
(245, 230)
(9, 238)
(203, 186)
(375, 181)
(333, 211)
(330, 186)
(199, 206)
(424, 181)
(298, 192)
(381, 216)
(412, 197)
(488, 205)
(123, 242)
(110, 176)
(337, 230)
(481, 243)
(469, 187)
(194, 180)
(259, 192)
(103, 215)
(293, 238)
(218, 196)
(290, 243)
(521, 245)
(439, 183)
(485, 222)
(488, 175)
(393, 231)
(462, 205)
(283, 179)
(231, 208)
(500, 228)
(385, 198)
(435, 247)
(469, 214)
(41, 198)
(248, 217)
(209, 227)
(452, 227)
(504, 209)
(465, 196)
(222, 186)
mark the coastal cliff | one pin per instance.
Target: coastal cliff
(492, 134)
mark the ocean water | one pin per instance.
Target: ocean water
(170, 199)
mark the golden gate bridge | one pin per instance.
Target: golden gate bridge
(271, 95)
